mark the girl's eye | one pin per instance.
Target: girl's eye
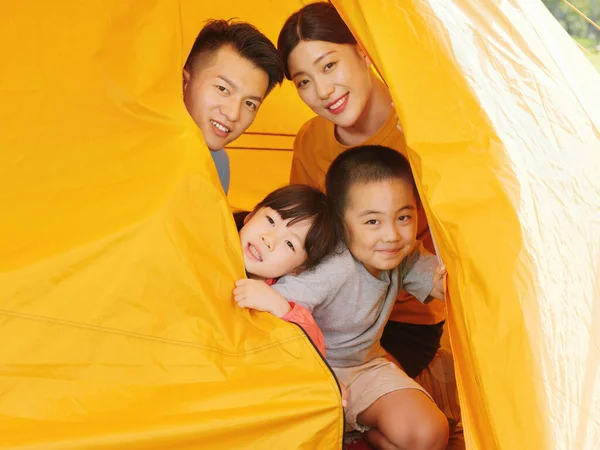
(271, 221)
(403, 218)
(290, 245)
(371, 222)
(302, 83)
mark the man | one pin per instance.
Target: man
(231, 68)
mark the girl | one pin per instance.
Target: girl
(291, 230)
(352, 292)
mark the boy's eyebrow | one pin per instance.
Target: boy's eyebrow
(373, 211)
(227, 80)
(315, 62)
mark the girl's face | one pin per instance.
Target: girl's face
(271, 247)
(381, 223)
(334, 80)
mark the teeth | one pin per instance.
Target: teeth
(339, 103)
(254, 252)
(219, 126)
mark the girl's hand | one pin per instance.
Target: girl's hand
(257, 294)
(438, 290)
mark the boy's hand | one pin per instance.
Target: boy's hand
(257, 294)
(438, 290)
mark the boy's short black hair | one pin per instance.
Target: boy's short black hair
(245, 40)
(364, 164)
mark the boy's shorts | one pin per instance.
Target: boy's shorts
(370, 381)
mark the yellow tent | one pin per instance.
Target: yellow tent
(118, 252)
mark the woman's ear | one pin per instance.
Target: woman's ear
(363, 55)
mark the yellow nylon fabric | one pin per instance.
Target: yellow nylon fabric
(118, 253)
(501, 113)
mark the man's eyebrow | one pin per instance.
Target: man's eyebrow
(256, 98)
(227, 80)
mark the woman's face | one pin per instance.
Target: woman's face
(334, 80)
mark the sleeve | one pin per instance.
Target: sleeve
(221, 159)
(313, 287)
(417, 273)
(308, 289)
(301, 316)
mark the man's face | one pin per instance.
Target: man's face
(223, 95)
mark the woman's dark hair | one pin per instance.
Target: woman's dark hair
(245, 40)
(363, 164)
(300, 202)
(314, 22)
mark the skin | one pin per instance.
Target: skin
(325, 73)
(223, 93)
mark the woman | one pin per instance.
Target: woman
(333, 76)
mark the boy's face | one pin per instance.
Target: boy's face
(271, 247)
(223, 95)
(381, 223)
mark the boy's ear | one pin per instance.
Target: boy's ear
(186, 78)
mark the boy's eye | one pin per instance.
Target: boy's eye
(271, 221)
(372, 222)
(329, 66)
(290, 245)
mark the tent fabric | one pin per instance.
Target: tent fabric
(118, 252)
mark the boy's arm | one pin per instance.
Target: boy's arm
(420, 275)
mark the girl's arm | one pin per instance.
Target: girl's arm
(257, 294)
(301, 316)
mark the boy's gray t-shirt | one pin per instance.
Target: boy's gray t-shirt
(351, 306)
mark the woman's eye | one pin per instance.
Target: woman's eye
(302, 83)
(222, 88)
(329, 66)
(372, 222)
(403, 218)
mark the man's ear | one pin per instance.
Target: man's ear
(186, 78)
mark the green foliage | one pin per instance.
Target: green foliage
(576, 25)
